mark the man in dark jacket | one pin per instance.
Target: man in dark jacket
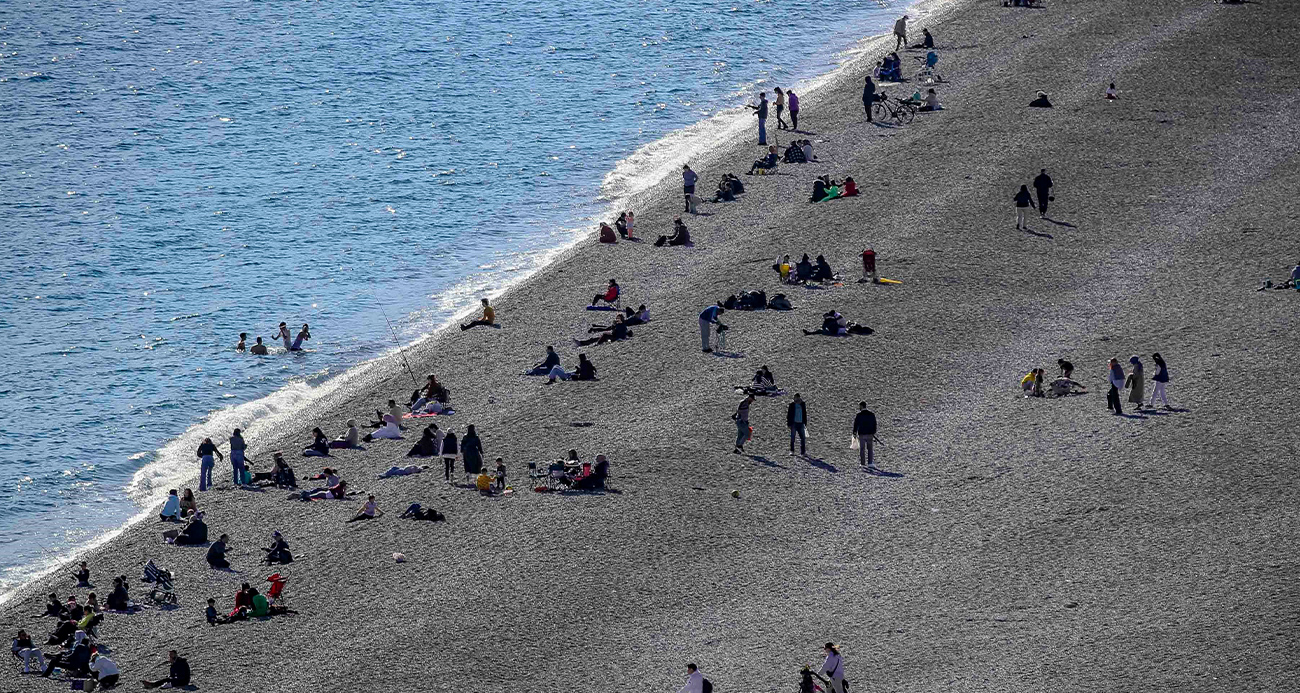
(868, 96)
(796, 417)
(178, 676)
(1043, 186)
(864, 427)
(217, 553)
(761, 111)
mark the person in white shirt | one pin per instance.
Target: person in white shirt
(104, 670)
(694, 681)
(833, 668)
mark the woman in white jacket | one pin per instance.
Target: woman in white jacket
(833, 668)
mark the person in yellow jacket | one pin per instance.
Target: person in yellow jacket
(489, 317)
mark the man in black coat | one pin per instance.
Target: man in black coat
(1043, 186)
(868, 96)
(864, 427)
(178, 674)
(796, 417)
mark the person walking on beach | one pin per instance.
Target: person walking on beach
(900, 36)
(794, 109)
(284, 336)
(796, 417)
(694, 681)
(780, 108)
(1161, 380)
(864, 427)
(489, 317)
(742, 424)
(833, 668)
(761, 111)
(868, 96)
(688, 185)
(1023, 201)
(1043, 186)
(1136, 383)
(237, 462)
(205, 454)
(708, 318)
(1114, 375)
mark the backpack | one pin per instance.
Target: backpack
(707, 687)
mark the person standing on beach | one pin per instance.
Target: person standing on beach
(285, 336)
(868, 96)
(1043, 186)
(1136, 383)
(694, 681)
(237, 447)
(1115, 375)
(796, 417)
(864, 427)
(833, 668)
(761, 111)
(1023, 201)
(1161, 380)
(794, 109)
(205, 453)
(900, 33)
(708, 318)
(742, 424)
(688, 185)
(780, 107)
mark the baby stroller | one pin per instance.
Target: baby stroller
(163, 592)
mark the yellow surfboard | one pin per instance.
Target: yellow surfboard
(890, 281)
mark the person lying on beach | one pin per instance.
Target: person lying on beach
(327, 475)
(258, 349)
(369, 511)
(178, 674)
(1041, 101)
(304, 334)
(489, 318)
(64, 631)
(834, 325)
(415, 512)
(429, 445)
(402, 471)
(320, 445)
(606, 234)
(217, 553)
(347, 440)
(390, 431)
(681, 236)
(337, 491)
(766, 163)
(194, 532)
(617, 332)
(610, 295)
(278, 551)
(1064, 386)
(551, 361)
(638, 316)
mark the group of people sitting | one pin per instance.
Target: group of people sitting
(803, 271)
(826, 189)
(550, 365)
(576, 475)
(75, 633)
(177, 508)
(889, 69)
(1033, 382)
(681, 236)
(834, 325)
(729, 188)
(249, 603)
(762, 385)
(799, 152)
(624, 226)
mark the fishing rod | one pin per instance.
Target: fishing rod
(400, 349)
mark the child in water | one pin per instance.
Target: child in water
(297, 343)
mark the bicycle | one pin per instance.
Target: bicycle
(897, 110)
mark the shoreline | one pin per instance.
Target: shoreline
(172, 463)
(1007, 543)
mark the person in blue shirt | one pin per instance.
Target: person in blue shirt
(761, 112)
(708, 317)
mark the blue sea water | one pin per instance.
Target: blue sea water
(172, 174)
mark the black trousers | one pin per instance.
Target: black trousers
(1043, 194)
(1112, 400)
(449, 464)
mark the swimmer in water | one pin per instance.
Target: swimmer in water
(258, 349)
(284, 335)
(240, 345)
(297, 343)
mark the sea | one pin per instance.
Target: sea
(174, 174)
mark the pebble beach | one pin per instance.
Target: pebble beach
(1004, 544)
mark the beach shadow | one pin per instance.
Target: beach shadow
(1066, 224)
(822, 464)
(764, 461)
(728, 354)
(1038, 233)
(884, 474)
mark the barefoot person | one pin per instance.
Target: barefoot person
(284, 336)
(258, 349)
(489, 318)
(205, 454)
(369, 511)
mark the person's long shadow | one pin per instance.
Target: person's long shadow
(1038, 233)
(822, 464)
(882, 473)
(1066, 224)
(764, 461)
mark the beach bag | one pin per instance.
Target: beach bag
(780, 302)
(855, 444)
